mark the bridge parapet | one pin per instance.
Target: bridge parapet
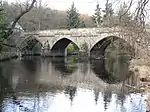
(84, 32)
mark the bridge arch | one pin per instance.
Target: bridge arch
(61, 44)
(30, 46)
(117, 55)
(100, 46)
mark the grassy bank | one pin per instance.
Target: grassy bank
(7, 56)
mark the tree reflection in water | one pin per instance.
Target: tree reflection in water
(107, 98)
(96, 95)
(71, 91)
(51, 97)
(65, 65)
(30, 63)
(6, 89)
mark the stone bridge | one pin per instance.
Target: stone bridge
(55, 41)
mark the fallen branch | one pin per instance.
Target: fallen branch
(134, 87)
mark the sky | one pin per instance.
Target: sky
(83, 6)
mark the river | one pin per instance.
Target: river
(35, 84)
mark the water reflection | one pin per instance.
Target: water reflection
(71, 91)
(98, 67)
(30, 63)
(65, 65)
(112, 69)
(35, 84)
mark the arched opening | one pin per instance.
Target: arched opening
(111, 44)
(30, 47)
(111, 57)
(64, 47)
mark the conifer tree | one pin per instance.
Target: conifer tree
(73, 18)
(97, 18)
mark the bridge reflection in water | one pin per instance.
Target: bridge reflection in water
(35, 84)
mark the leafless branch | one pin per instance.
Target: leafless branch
(18, 18)
(23, 13)
(140, 11)
(21, 8)
(126, 11)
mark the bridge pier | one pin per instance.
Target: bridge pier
(19, 54)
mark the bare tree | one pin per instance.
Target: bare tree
(39, 15)
(17, 18)
(136, 30)
(141, 12)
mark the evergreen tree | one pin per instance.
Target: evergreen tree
(97, 18)
(73, 18)
(82, 24)
(3, 28)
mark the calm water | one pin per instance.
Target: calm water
(35, 84)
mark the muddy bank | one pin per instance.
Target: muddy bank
(141, 67)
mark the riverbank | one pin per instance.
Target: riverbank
(141, 67)
(7, 56)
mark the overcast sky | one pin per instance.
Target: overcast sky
(83, 6)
